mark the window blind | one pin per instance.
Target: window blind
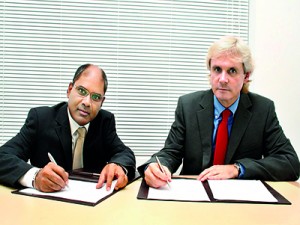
(152, 52)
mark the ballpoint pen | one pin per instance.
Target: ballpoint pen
(89, 174)
(53, 160)
(162, 170)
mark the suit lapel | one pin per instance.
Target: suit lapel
(63, 131)
(205, 124)
(240, 124)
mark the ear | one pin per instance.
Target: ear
(102, 102)
(69, 89)
(247, 77)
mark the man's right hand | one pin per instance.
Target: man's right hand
(154, 177)
(51, 178)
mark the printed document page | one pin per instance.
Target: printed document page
(181, 189)
(247, 190)
(77, 190)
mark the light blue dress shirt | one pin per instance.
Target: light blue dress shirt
(218, 109)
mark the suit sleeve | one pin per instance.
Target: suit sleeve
(172, 153)
(280, 161)
(15, 153)
(119, 152)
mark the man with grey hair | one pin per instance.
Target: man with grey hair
(225, 132)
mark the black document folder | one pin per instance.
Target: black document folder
(144, 191)
(84, 178)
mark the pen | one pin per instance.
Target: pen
(53, 160)
(86, 173)
(162, 170)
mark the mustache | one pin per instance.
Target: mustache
(84, 109)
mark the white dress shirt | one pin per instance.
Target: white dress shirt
(27, 179)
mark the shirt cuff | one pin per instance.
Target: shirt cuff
(26, 179)
(242, 170)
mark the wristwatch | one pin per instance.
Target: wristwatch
(238, 167)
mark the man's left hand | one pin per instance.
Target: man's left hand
(219, 172)
(108, 173)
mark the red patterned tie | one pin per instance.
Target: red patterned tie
(222, 139)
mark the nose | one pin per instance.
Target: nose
(87, 100)
(223, 77)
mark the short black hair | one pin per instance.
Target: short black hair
(82, 68)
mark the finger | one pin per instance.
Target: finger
(122, 179)
(107, 175)
(44, 184)
(213, 175)
(52, 172)
(62, 179)
(121, 182)
(203, 178)
(101, 179)
(152, 179)
(202, 175)
(155, 169)
(110, 177)
(149, 177)
(205, 174)
(58, 175)
(53, 186)
(168, 173)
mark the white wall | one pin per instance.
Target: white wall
(275, 41)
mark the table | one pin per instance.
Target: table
(124, 208)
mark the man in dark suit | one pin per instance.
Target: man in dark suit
(257, 147)
(54, 130)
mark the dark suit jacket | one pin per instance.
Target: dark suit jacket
(256, 141)
(47, 129)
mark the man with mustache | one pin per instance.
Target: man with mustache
(54, 130)
(253, 145)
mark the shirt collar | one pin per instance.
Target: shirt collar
(219, 107)
(74, 126)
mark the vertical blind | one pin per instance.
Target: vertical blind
(152, 51)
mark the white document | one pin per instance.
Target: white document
(77, 190)
(247, 190)
(181, 189)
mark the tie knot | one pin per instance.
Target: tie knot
(81, 132)
(225, 114)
